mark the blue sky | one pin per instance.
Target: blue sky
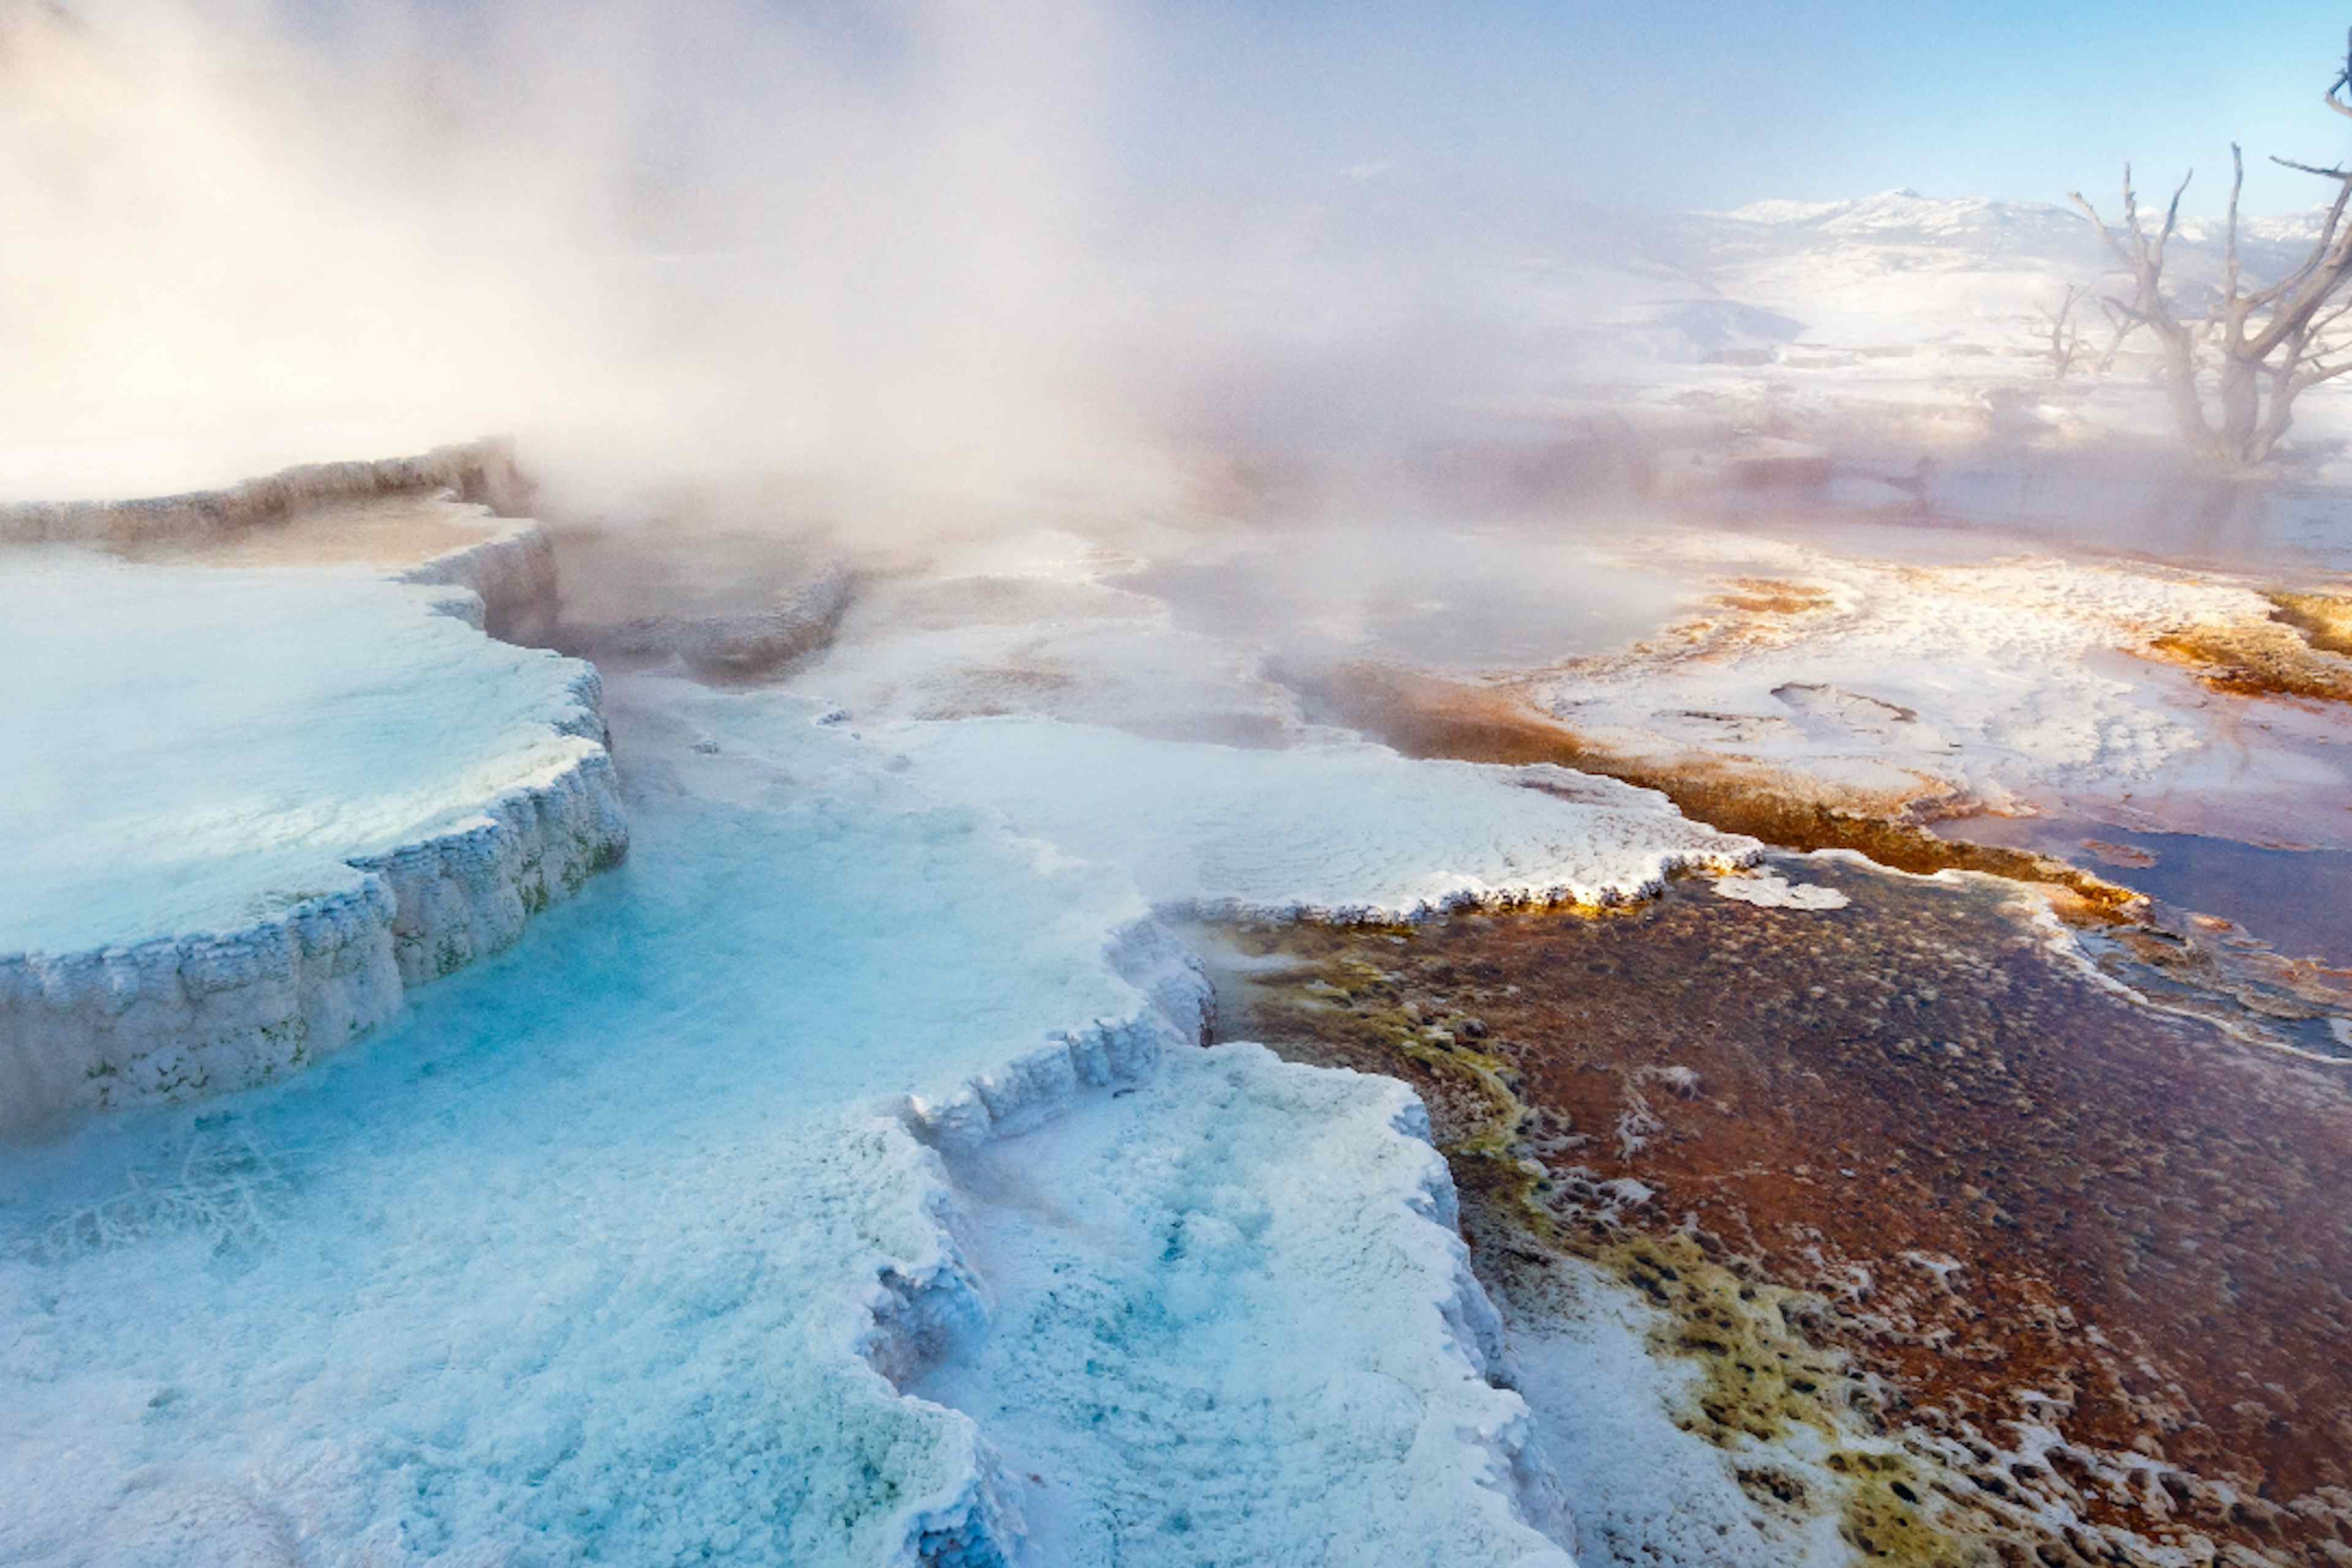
(1684, 103)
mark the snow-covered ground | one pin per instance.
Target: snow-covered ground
(1865, 336)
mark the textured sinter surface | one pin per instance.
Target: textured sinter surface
(199, 748)
(730, 604)
(1344, 830)
(623, 1246)
(248, 806)
(2003, 684)
(402, 529)
(1030, 624)
(1154, 1348)
(482, 471)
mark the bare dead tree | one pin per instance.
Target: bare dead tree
(2065, 332)
(2121, 325)
(2270, 344)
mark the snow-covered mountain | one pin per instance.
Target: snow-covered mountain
(1895, 287)
(1905, 217)
(1913, 266)
(1980, 226)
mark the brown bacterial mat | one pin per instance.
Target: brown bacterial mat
(1897, 1171)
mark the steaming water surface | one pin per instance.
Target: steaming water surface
(2235, 524)
(2084, 506)
(572, 1260)
(1456, 598)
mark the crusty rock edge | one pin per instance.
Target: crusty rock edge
(183, 1016)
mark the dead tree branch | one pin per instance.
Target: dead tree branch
(2267, 344)
(2065, 332)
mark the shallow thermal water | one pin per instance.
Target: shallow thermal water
(188, 748)
(1450, 597)
(581, 1259)
(2298, 901)
(572, 1262)
(2169, 517)
(2079, 505)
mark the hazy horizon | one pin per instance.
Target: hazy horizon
(928, 249)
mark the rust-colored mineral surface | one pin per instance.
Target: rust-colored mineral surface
(2056, 1277)
(1426, 716)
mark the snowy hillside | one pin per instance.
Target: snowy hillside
(1775, 279)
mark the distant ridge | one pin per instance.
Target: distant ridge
(1945, 217)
